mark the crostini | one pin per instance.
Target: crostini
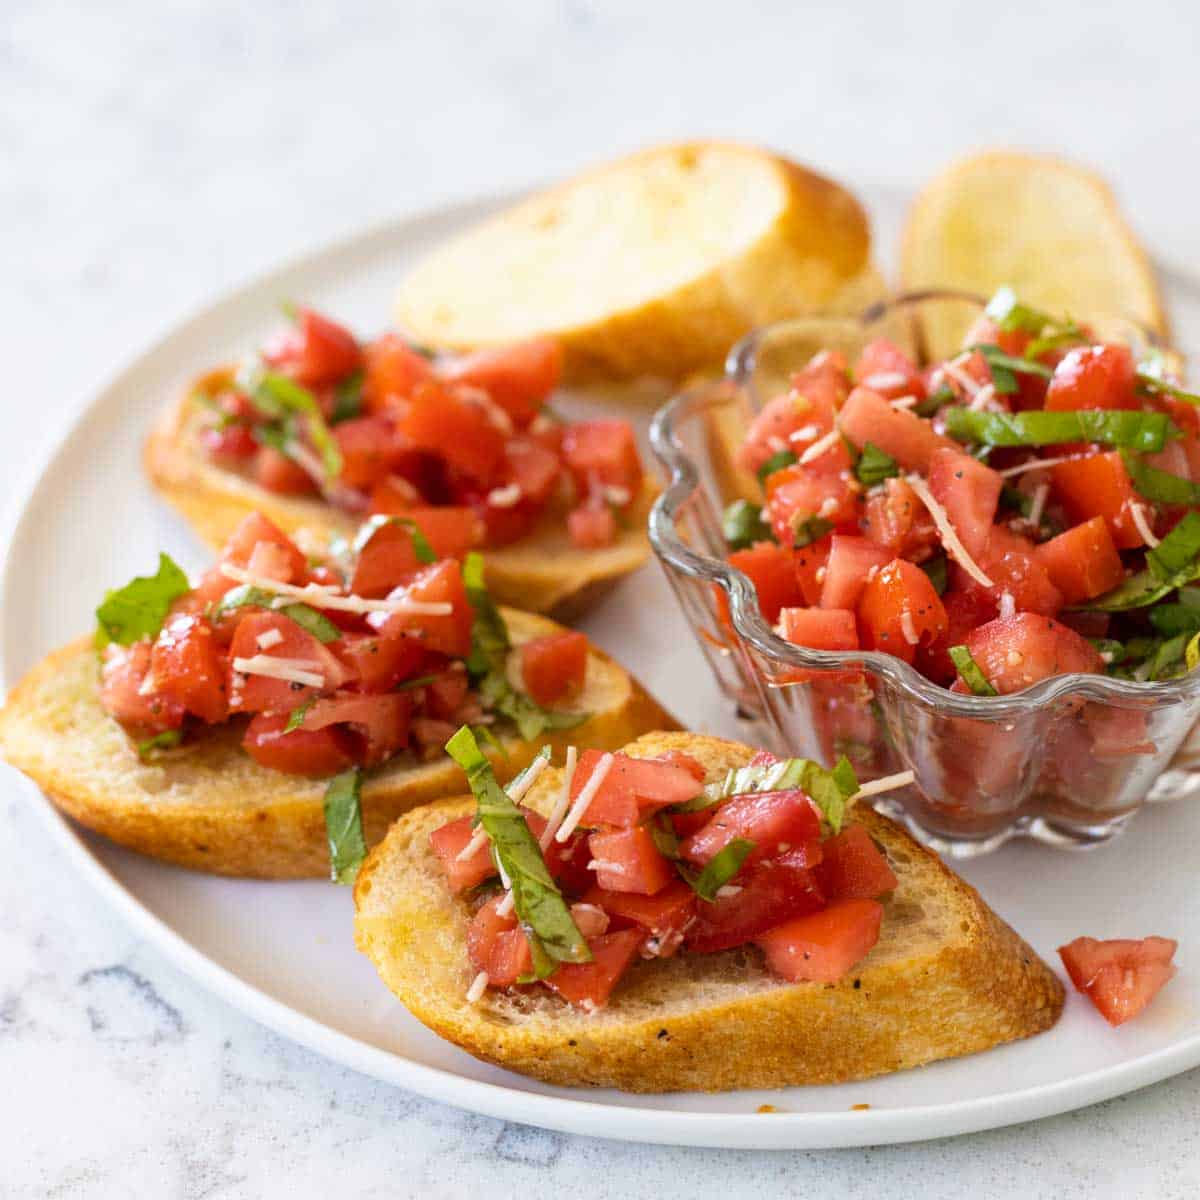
(319, 431)
(653, 265)
(688, 914)
(204, 721)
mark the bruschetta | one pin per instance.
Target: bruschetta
(205, 720)
(688, 914)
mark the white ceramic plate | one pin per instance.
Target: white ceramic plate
(283, 952)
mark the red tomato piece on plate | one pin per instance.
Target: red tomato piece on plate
(121, 679)
(458, 427)
(389, 557)
(632, 788)
(1120, 976)
(393, 372)
(823, 946)
(249, 542)
(663, 916)
(886, 369)
(592, 526)
(603, 454)
(251, 692)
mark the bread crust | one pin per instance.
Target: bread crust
(210, 807)
(716, 1022)
(543, 572)
(816, 243)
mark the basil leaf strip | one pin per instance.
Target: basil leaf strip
(544, 916)
(1155, 385)
(777, 461)
(424, 552)
(1005, 368)
(343, 825)
(347, 399)
(1146, 431)
(277, 397)
(936, 401)
(742, 525)
(719, 869)
(167, 740)
(297, 715)
(138, 609)
(1011, 316)
(1160, 486)
(970, 672)
(1170, 619)
(810, 530)
(1173, 563)
(1191, 656)
(874, 466)
(309, 619)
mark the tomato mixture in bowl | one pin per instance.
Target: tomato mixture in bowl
(384, 426)
(984, 569)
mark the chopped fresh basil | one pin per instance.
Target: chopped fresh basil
(149, 750)
(1011, 316)
(1191, 656)
(743, 525)
(970, 672)
(297, 715)
(874, 466)
(936, 569)
(368, 529)
(1151, 382)
(1146, 431)
(936, 401)
(484, 734)
(279, 397)
(1176, 554)
(420, 681)
(777, 461)
(1005, 368)
(1167, 658)
(664, 836)
(1109, 649)
(138, 609)
(343, 825)
(1170, 619)
(809, 530)
(1160, 486)
(309, 619)
(543, 914)
(347, 399)
(719, 869)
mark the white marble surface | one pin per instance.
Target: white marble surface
(153, 154)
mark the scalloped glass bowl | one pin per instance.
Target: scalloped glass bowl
(1068, 761)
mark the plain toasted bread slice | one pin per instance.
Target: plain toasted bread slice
(1051, 230)
(541, 572)
(212, 807)
(947, 978)
(651, 265)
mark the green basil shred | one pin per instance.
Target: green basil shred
(309, 619)
(280, 398)
(777, 461)
(970, 672)
(874, 466)
(810, 530)
(742, 525)
(138, 609)
(719, 869)
(1146, 431)
(149, 750)
(424, 552)
(343, 825)
(1160, 486)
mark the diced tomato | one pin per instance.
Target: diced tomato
(1098, 485)
(854, 868)
(910, 440)
(804, 492)
(1120, 976)
(627, 860)
(1093, 377)
(533, 468)
(846, 570)
(771, 569)
(553, 667)
(887, 370)
(770, 430)
(393, 372)
(592, 526)
(1013, 567)
(303, 751)
(603, 454)
(632, 788)
(519, 377)
(894, 518)
(497, 945)
(121, 679)
(985, 332)
(456, 425)
(809, 564)
(969, 492)
(677, 758)
(820, 628)
(232, 445)
(379, 662)
(966, 609)
(1118, 732)
(389, 557)
(663, 916)
(774, 821)
(899, 610)
(441, 583)
(381, 720)
(592, 983)
(449, 841)
(823, 946)
(315, 350)
(368, 448)
(446, 693)
(1083, 562)
(393, 496)
(186, 665)
(278, 473)
(1019, 651)
(247, 540)
(770, 893)
(566, 861)
(261, 693)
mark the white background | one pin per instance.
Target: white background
(152, 155)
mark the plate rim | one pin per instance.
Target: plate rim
(750, 1130)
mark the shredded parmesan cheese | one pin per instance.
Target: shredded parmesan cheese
(564, 799)
(820, 446)
(903, 402)
(271, 638)
(1138, 513)
(950, 539)
(291, 670)
(886, 784)
(911, 636)
(882, 380)
(477, 988)
(505, 497)
(614, 868)
(321, 596)
(1038, 507)
(1008, 605)
(505, 907)
(805, 434)
(617, 496)
(961, 377)
(1034, 464)
(983, 397)
(730, 889)
(598, 776)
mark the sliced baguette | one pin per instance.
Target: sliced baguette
(947, 978)
(1051, 230)
(211, 807)
(651, 265)
(541, 572)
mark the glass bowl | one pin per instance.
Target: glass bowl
(1067, 761)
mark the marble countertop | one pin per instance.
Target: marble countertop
(154, 155)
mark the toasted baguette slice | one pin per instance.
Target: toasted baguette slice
(947, 977)
(1051, 230)
(212, 807)
(541, 572)
(651, 265)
